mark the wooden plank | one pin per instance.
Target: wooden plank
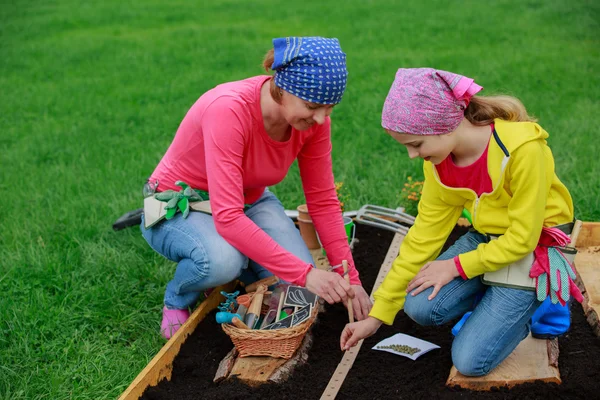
(529, 362)
(225, 366)
(340, 373)
(589, 235)
(255, 371)
(587, 264)
(161, 365)
(319, 259)
(553, 352)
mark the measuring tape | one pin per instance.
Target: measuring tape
(337, 379)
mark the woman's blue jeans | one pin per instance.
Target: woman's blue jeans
(499, 322)
(205, 260)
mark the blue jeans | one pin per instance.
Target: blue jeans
(499, 322)
(205, 260)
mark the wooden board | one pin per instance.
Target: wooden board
(587, 264)
(161, 365)
(339, 375)
(255, 371)
(319, 259)
(529, 362)
(589, 235)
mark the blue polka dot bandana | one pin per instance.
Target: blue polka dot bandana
(312, 68)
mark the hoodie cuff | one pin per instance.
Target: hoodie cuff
(384, 310)
(459, 268)
(468, 261)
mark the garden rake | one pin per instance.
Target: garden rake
(385, 218)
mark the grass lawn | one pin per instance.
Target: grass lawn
(91, 94)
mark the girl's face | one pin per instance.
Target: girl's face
(434, 148)
(302, 114)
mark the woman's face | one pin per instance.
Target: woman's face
(302, 114)
(434, 148)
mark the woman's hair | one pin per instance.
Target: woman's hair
(483, 109)
(267, 63)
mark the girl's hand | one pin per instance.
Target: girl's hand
(434, 273)
(329, 285)
(361, 303)
(357, 331)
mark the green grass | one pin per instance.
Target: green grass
(91, 95)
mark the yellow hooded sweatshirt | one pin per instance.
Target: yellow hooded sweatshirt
(527, 196)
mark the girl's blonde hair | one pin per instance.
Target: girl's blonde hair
(482, 110)
(267, 63)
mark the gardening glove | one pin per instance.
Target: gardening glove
(179, 200)
(553, 274)
(562, 277)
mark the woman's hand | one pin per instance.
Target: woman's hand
(329, 285)
(434, 273)
(357, 331)
(361, 303)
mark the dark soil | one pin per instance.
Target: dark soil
(375, 374)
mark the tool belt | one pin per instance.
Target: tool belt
(516, 275)
(163, 205)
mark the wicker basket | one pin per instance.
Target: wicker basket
(278, 343)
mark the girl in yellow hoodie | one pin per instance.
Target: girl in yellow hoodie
(486, 155)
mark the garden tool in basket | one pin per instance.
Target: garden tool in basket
(385, 218)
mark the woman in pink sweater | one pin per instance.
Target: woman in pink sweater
(235, 141)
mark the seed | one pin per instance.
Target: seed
(401, 348)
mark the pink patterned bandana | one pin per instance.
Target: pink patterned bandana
(425, 101)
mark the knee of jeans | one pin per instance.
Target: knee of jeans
(467, 362)
(225, 266)
(420, 309)
(464, 364)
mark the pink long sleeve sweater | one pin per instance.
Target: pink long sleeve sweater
(221, 146)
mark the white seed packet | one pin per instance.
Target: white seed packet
(415, 347)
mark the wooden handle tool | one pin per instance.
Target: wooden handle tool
(238, 324)
(255, 306)
(268, 281)
(350, 309)
(280, 306)
(575, 232)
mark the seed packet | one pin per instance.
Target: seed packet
(405, 345)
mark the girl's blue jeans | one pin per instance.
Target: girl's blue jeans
(497, 325)
(205, 260)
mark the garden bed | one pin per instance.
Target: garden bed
(374, 374)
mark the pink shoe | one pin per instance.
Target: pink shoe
(172, 321)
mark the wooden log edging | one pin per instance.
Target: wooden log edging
(587, 264)
(340, 373)
(161, 366)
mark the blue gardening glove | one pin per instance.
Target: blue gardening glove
(178, 200)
